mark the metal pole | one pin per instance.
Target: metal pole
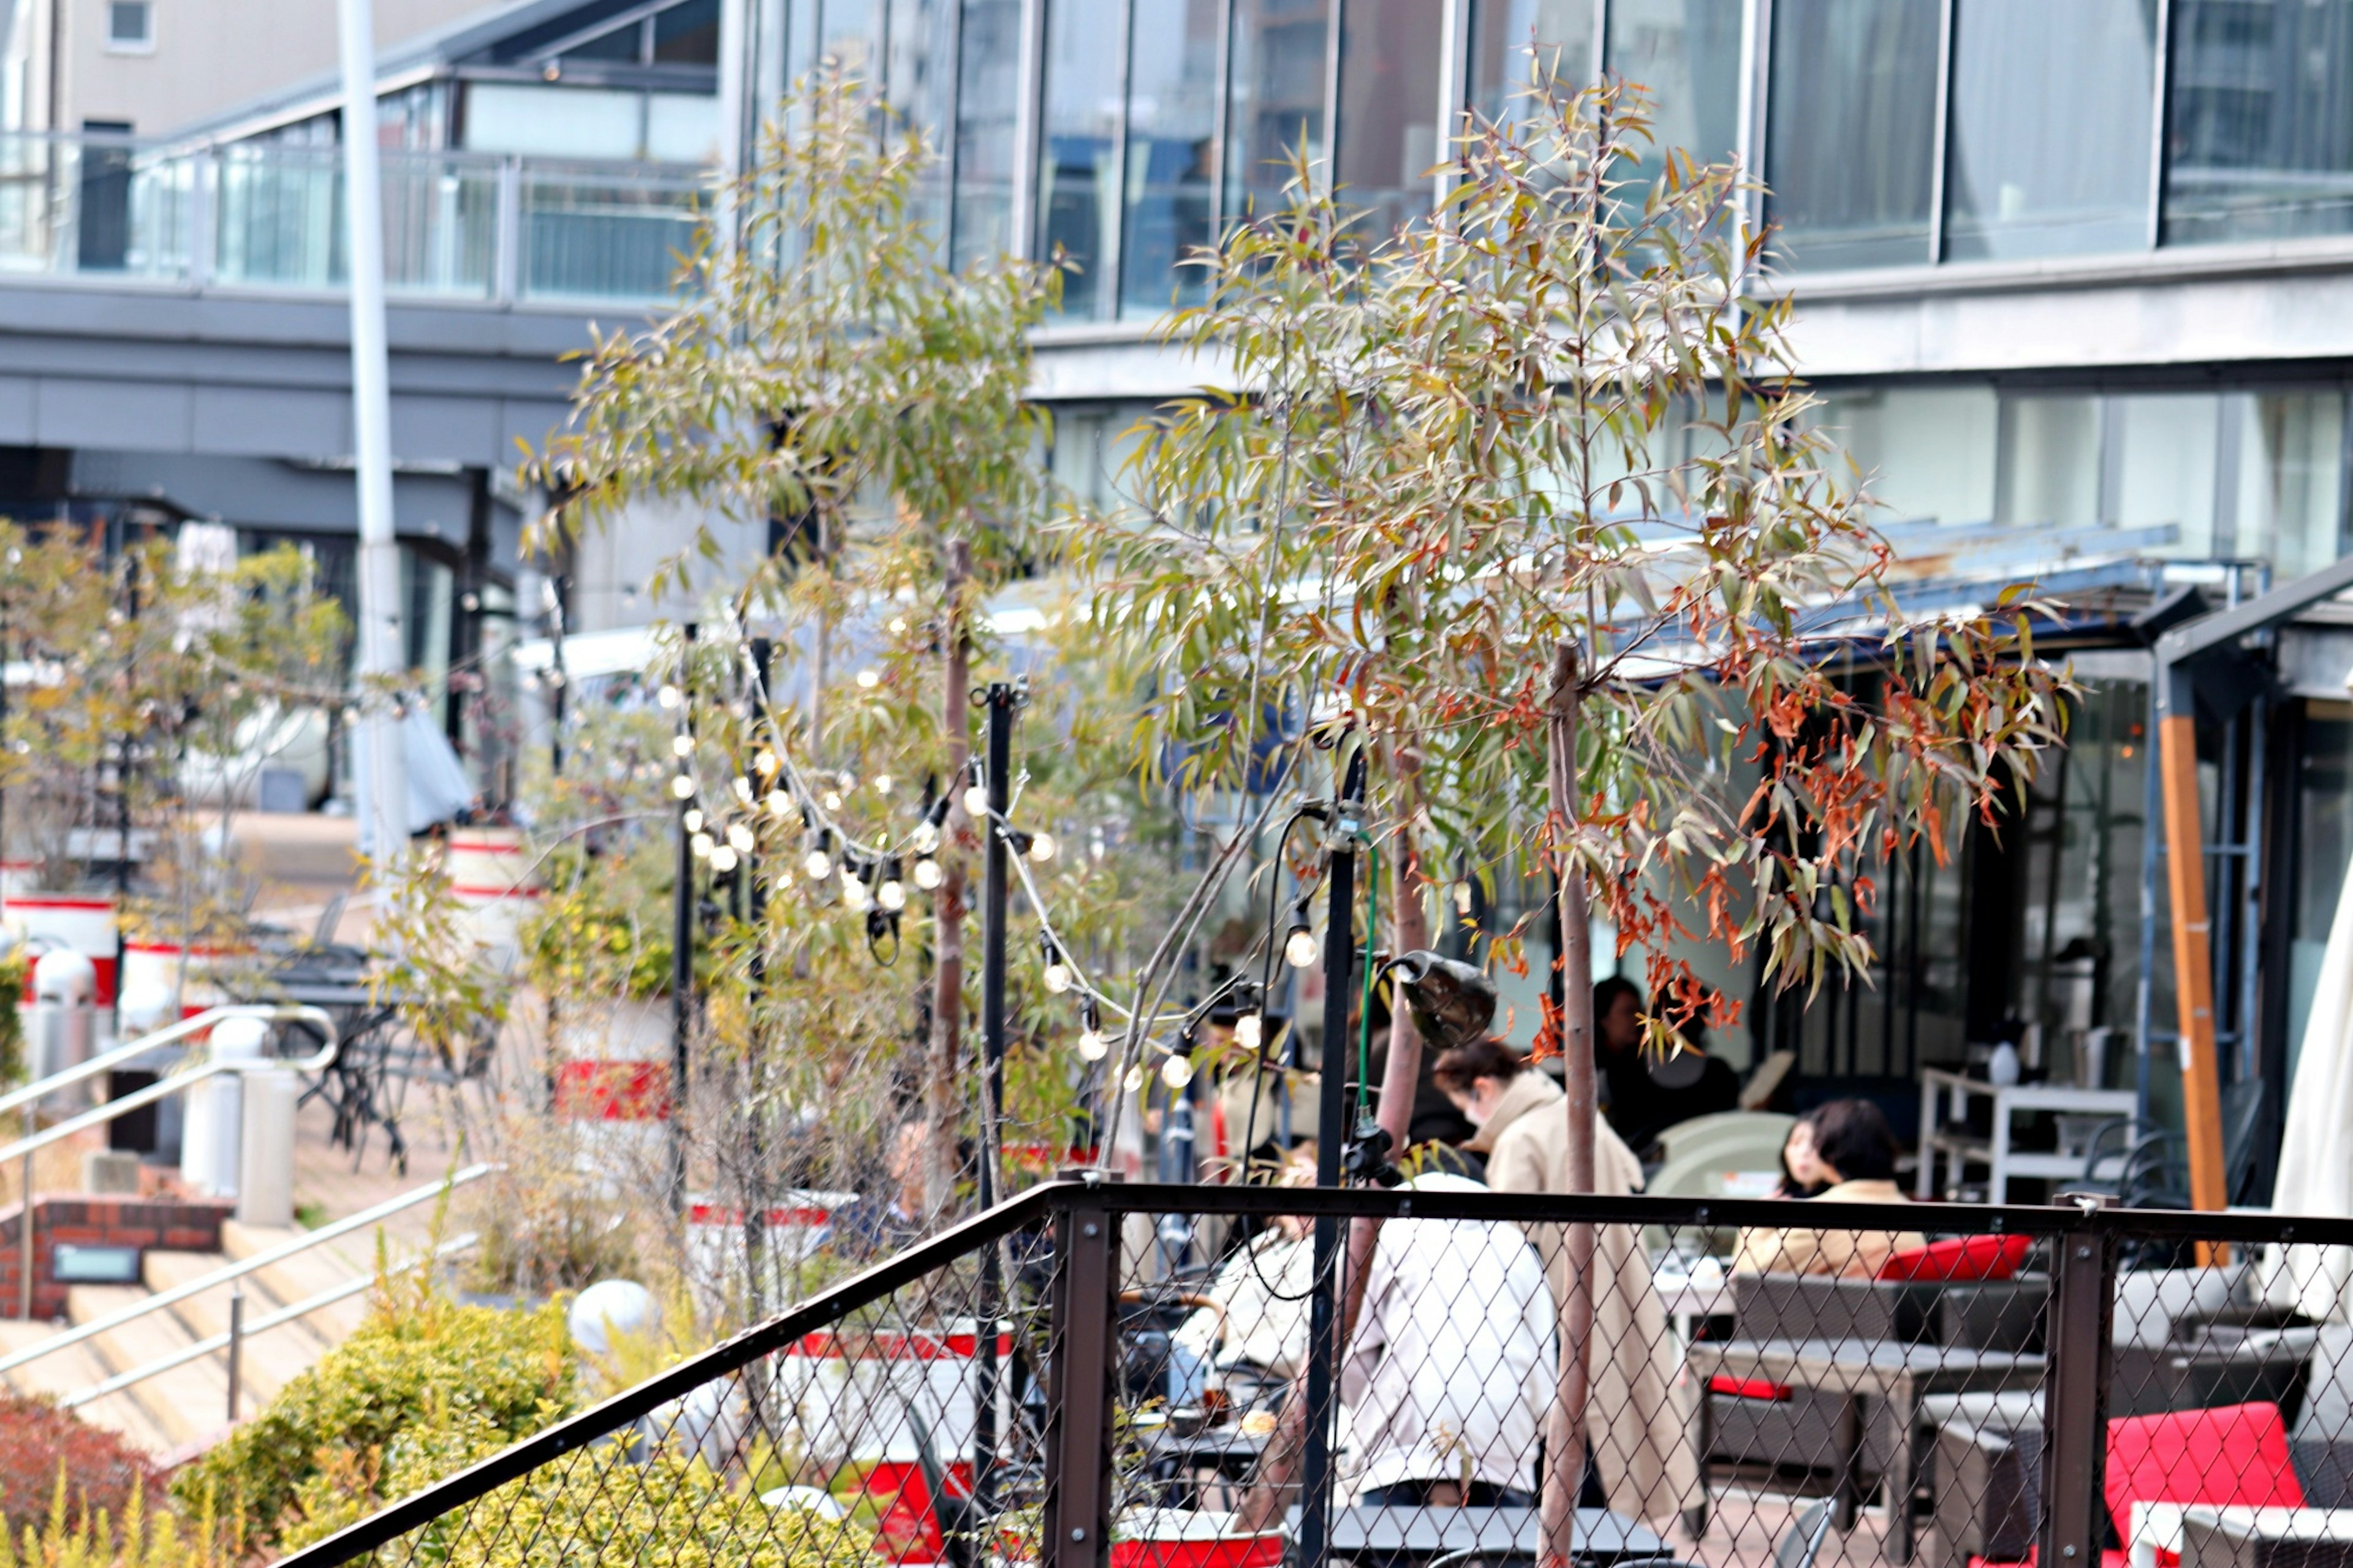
(236, 1345)
(381, 651)
(1001, 701)
(1080, 1433)
(2075, 1403)
(682, 937)
(1323, 1313)
(755, 1143)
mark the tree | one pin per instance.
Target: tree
(1528, 497)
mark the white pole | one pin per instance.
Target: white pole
(380, 644)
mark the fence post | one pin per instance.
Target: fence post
(2074, 1394)
(1077, 1523)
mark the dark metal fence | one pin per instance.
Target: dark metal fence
(1097, 1375)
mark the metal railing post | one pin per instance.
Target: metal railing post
(236, 1345)
(506, 257)
(1076, 1515)
(2074, 1392)
(27, 1254)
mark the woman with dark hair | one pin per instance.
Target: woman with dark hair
(1855, 1152)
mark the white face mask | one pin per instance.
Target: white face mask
(1484, 1093)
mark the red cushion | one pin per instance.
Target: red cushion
(1963, 1257)
(2233, 1455)
(2109, 1558)
(1747, 1387)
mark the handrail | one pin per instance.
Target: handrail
(263, 1324)
(100, 1116)
(262, 1259)
(272, 1012)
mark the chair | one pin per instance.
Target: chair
(956, 1516)
(2233, 1455)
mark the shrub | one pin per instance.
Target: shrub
(38, 1440)
(420, 1368)
(133, 1538)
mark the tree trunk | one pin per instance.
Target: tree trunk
(941, 1101)
(1564, 1431)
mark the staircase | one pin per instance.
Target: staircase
(185, 1407)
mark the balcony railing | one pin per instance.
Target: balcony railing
(269, 215)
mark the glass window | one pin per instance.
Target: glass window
(681, 127)
(2051, 128)
(688, 35)
(2260, 129)
(2288, 450)
(1511, 39)
(1852, 146)
(553, 121)
(2050, 461)
(1926, 453)
(921, 55)
(1078, 171)
(2164, 467)
(1172, 132)
(1277, 99)
(988, 98)
(621, 46)
(843, 33)
(1687, 53)
(1388, 111)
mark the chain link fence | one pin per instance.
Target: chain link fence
(1157, 1377)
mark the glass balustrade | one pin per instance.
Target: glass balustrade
(267, 215)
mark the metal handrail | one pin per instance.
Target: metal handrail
(263, 1324)
(238, 1270)
(272, 1012)
(100, 1116)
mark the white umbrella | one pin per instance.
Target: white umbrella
(2315, 1165)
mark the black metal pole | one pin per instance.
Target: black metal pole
(681, 951)
(756, 1144)
(1002, 700)
(1323, 1307)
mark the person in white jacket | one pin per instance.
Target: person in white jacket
(1450, 1368)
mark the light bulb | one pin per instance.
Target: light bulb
(743, 789)
(976, 802)
(779, 803)
(1299, 949)
(1058, 977)
(854, 894)
(927, 874)
(892, 896)
(683, 787)
(722, 858)
(1249, 1030)
(682, 745)
(765, 762)
(668, 695)
(819, 865)
(868, 679)
(783, 876)
(1462, 897)
(701, 845)
(831, 801)
(693, 820)
(739, 837)
(882, 784)
(1176, 1071)
(1135, 1079)
(898, 625)
(1041, 846)
(925, 839)
(1093, 1046)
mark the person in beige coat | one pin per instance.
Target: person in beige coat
(1638, 1416)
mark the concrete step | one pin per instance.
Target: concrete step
(304, 1274)
(74, 1368)
(190, 1402)
(268, 1360)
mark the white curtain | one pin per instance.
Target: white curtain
(2315, 1168)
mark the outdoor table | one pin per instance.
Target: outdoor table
(1219, 1456)
(1901, 1374)
(2163, 1528)
(1422, 1533)
(1690, 1298)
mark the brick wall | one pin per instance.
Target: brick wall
(185, 1226)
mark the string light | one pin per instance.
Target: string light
(855, 893)
(927, 874)
(898, 625)
(976, 802)
(669, 696)
(722, 858)
(832, 801)
(743, 789)
(1093, 1046)
(925, 839)
(682, 745)
(683, 787)
(1299, 947)
(1058, 969)
(765, 762)
(1249, 1030)
(818, 864)
(1135, 1079)
(693, 820)
(882, 784)
(779, 803)
(701, 845)
(739, 837)
(868, 679)
(1176, 1071)
(1041, 846)
(892, 896)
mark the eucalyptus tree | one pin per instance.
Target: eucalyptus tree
(1530, 498)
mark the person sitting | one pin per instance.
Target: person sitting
(1855, 1152)
(1449, 1374)
(1637, 1421)
(1801, 1170)
(1257, 1319)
